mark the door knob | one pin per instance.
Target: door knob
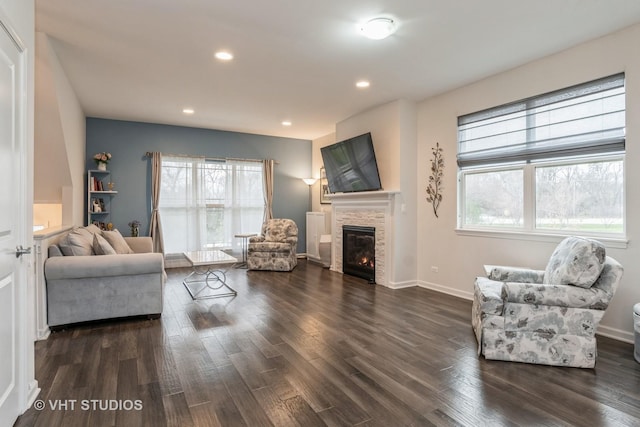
(22, 251)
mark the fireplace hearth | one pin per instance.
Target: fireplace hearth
(359, 252)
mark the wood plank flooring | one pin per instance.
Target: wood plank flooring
(315, 348)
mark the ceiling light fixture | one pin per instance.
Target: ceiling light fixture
(223, 55)
(362, 84)
(378, 28)
(188, 110)
(286, 123)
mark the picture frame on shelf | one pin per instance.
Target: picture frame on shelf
(324, 188)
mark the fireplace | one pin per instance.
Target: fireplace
(359, 252)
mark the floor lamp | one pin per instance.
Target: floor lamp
(310, 182)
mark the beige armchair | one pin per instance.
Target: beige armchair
(275, 248)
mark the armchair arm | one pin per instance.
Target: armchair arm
(256, 239)
(140, 245)
(514, 274)
(556, 295)
(488, 296)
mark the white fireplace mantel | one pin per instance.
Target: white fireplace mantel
(370, 209)
(362, 196)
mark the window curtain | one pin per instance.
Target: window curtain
(182, 204)
(206, 202)
(244, 200)
(155, 227)
(268, 165)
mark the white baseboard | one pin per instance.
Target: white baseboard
(176, 263)
(605, 331)
(616, 334)
(43, 334)
(446, 290)
(401, 285)
(32, 392)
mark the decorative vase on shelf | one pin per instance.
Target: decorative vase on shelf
(134, 226)
(102, 166)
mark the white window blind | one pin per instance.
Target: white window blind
(585, 119)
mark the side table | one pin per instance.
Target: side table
(244, 245)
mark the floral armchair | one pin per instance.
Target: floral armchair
(547, 317)
(275, 248)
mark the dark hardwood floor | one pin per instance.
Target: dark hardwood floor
(314, 348)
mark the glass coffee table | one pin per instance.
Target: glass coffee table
(206, 280)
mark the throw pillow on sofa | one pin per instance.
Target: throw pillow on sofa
(78, 242)
(117, 242)
(101, 246)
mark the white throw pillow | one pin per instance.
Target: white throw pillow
(118, 243)
(101, 246)
(576, 261)
(78, 242)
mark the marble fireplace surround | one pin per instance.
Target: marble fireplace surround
(369, 209)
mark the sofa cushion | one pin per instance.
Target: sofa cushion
(54, 250)
(78, 242)
(576, 261)
(101, 246)
(118, 243)
(272, 247)
(93, 229)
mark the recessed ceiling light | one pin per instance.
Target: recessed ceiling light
(378, 28)
(188, 110)
(223, 55)
(286, 123)
(363, 84)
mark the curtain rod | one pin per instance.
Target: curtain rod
(150, 154)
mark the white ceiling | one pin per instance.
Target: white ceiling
(146, 60)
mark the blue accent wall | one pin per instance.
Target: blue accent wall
(131, 169)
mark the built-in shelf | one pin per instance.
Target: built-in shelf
(99, 179)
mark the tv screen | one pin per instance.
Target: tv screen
(351, 165)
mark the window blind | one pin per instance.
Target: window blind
(585, 119)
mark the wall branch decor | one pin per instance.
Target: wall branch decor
(434, 188)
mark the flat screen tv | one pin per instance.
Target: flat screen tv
(351, 165)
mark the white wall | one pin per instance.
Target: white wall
(60, 137)
(393, 130)
(316, 164)
(460, 258)
(51, 163)
(384, 124)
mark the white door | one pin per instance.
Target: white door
(12, 223)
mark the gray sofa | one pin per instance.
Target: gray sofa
(83, 286)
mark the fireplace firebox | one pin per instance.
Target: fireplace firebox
(359, 252)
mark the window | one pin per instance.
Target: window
(204, 203)
(551, 163)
